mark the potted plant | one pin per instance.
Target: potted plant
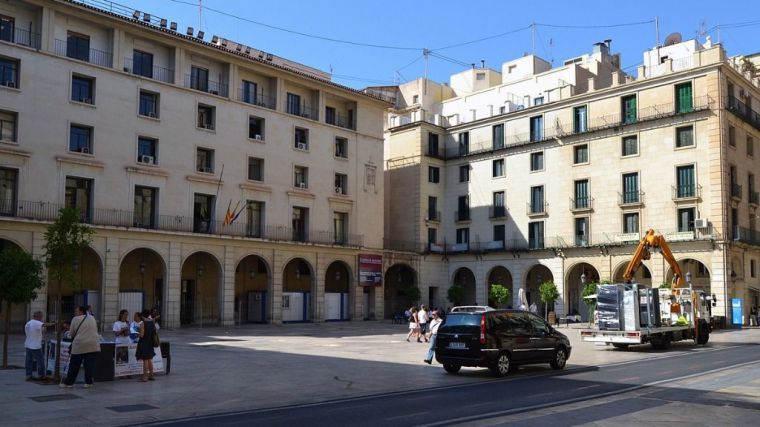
(549, 294)
(455, 294)
(498, 294)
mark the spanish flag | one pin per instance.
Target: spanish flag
(229, 215)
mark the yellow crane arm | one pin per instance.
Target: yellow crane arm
(643, 251)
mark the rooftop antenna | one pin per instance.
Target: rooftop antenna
(657, 30)
(200, 13)
(482, 63)
(533, 38)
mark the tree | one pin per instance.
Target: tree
(65, 240)
(498, 294)
(455, 294)
(20, 277)
(587, 291)
(665, 285)
(549, 294)
(411, 293)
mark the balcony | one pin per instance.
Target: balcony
(688, 234)
(623, 238)
(743, 111)
(403, 245)
(434, 216)
(460, 247)
(629, 199)
(260, 100)
(463, 215)
(746, 235)
(536, 242)
(341, 120)
(497, 212)
(536, 209)
(581, 204)
(754, 198)
(93, 56)
(160, 74)
(204, 85)
(736, 191)
(303, 110)
(686, 192)
(23, 37)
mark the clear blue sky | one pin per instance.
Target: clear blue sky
(435, 24)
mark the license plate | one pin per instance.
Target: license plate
(457, 345)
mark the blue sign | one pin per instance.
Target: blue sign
(736, 312)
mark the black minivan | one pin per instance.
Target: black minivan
(499, 340)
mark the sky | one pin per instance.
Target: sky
(497, 31)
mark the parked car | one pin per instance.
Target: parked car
(471, 309)
(499, 340)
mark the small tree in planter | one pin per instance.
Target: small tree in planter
(411, 293)
(549, 294)
(498, 294)
(588, 291)
(20, 277)
(455, 294)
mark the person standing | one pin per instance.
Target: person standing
(533, 308)
(121, 329)
(434, 324)
(423, 318)
(414, 325)
(33, 345)
(145, 350)
(85, 346)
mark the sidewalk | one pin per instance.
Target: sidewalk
(227, 369)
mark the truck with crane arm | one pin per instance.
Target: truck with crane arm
(630, 314)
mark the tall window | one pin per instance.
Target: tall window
(8, 72)
(580, 119)
(537, 199)
(142, 63)
(340, 227)
(294, 104)
(82, 89)
(301, 177)
(631, 187)
(7, 28)
(463, 206)
(78, 46)
(79, 196)
(206, 116)
(255, 169)
(498, 136)
(434, 174)
(628, 109)
(432, 144)
(8, 191)
(536, 161)
(499, 209)
(464, 143)
(685, 182)
(80, 139)
(145, 207)
(204, 160)
(463, 236)
(683, 98)
(8, 126)
(630, 145)
(255, 128)
(732, 136)
(433, 214)
(750, 146)
(147, 150)
(536, 235)
(580, 154)
(498, 168)
(301, 139)
(684, 136)
(341, 183)
(631, 222)
(686, 219)
(203, 213)
(536, 128)
(330, 115)
(300, 222)
(464, 173)
(199, 78)
(148, 104)
(341, 147)
(581, 231)
(432, 236)
(255, 218)
(499, 233)
(582, 199)
(248, 92)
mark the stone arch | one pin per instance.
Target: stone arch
(142, 280)
(642, 276)
(87, 289)
(700, 273)
(397, 279)
(253, 289)
(202, 278)
(338, 281)
(502, 276)
(465, 277)
(298, 283)
(534, 276)
(576, 278)
(18, 311)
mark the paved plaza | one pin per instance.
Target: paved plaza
(263, 366)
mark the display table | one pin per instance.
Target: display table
(113, 361)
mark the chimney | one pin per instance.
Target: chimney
(482, 63)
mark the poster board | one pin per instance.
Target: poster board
(126, 363)
(370, 270)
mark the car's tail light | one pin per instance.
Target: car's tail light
(483, 329)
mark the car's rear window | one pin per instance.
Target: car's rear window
(455, 319)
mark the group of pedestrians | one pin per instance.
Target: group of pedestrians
(418, 323)
(143, 330)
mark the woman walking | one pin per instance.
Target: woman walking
(145, 350)
(414, 325)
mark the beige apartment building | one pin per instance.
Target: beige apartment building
(534, 173)
(154, 133)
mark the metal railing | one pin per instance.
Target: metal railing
(463, 215)
(536, 208)
(93, 56)
(205, 85)
(630, 198)
(754, 197)
(581, 203)
(736, 190)
(23, 37)
(341, 120)
(301, 110)
(434, 215)
(687, 191)
(746, 235)
(536, 242)
(161, 74)
(258, 99)
(497, 212)
(743, 111)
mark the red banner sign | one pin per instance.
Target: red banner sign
(370, 270)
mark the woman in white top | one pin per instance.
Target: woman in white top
(121, 329)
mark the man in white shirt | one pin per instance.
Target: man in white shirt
(422, 316)
(121, 329)
(434, 324)
(33, 345)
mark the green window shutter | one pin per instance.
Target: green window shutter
(683, 98)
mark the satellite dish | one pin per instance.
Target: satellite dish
(673, 38)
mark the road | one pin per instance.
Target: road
(527, 390)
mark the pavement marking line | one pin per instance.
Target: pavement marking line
(629, 379)
(579, 399)
(588, 386)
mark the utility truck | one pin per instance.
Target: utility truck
(630, 314)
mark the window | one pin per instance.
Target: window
(685, 183)
(683, 98)
(433, 214)
(341, 147)
(539, 100)
(580, 119)
(480, 76)
(537, 199)
(415, 99)
(536, 235)
(340, 227)
(203, 213)
(255, 218)
(630, 145)
(582, 199)
(498, 136)
(464, 143)
(464, 173)
(499, 233)
(199, 78)
(301, 139)
(148, 104)
(255, 128)
(434, 174)
(536, 128)
(432, 236)
(204, 160)
(8, 191)
(255, 169)
(8, 126)
(147, 150)
(498, 168)
(631, 187)
(294, 104)
(432, 144)
(463, 236)
(536, 161)
(752, 268)
(684, 136)
(300, 222)
(750, 146)
(463, 205)
(732, 136)
(580, 154)
(145, 207)
(142, 63)
(7, 28)
(301, 175)
(206, 116)
(79, 196)
(628, 109)
(80, 139)
(249, 91)
(78, 47)
(499, 209)
(82, 89)
(686, 219)
(330, 115)
(581, 231)
(631, 222)
(8, 72)
(341, 183)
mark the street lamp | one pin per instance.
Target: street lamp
(688, 277)
(583, 278)
(142, 267)
(200, 270)
(251, 273)
(75, 265)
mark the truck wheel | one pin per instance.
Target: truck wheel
(704, 332)
(452, 369)
(560, 359)
(501, 367)
(620, 345)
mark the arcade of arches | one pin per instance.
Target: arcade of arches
(199, 294)
(464, 277)
(500, 276)
(252, 291)
(537, 275)
(398, 279)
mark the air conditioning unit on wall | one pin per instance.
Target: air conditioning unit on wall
(701, 223)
